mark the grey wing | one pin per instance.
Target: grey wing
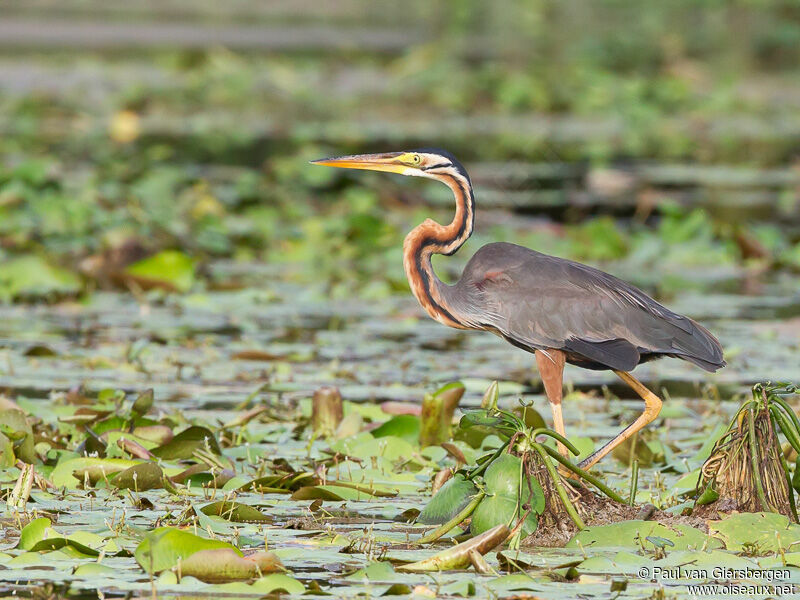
(539, 301)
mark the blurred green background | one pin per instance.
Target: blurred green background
(163, 146)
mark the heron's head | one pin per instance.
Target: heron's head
(434, 164)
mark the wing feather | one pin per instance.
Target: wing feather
(540, 301)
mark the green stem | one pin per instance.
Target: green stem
(562, 493)
(785, 466)
(556, 436)
(434, 535)
(786, 427)
(585, 475)
(634, 482)
(788, 409)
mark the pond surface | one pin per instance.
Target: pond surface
(207, 355)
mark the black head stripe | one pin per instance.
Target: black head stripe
(437, 166)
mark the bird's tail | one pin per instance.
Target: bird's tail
(699, 346)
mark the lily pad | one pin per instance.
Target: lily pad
(139, 478)
(170, 270)
(236, 512)
(768, 532)
(33, 532)
(183, 445)
(70, 473)
(405, 427)
(162, 548)
(38, 536)
(31, 276)
(226, 564)
(634, 534)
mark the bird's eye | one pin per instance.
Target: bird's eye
(416, 159)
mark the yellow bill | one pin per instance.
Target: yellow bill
(389, 162)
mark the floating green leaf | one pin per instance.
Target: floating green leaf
(31, 276)
(183, 445)
(32, 533)
(236, 512)
(227, 564)
(405, 427)
(70, 473)
(139, 478)
(769, 532)
(169, 269)
(164, 547)
(628, 534)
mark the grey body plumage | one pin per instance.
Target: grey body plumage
(537, 301)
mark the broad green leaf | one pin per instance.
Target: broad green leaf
(140, 478)
(31, 276)
(93, 570)
(505, 499)
(451, 498)
(769, 532)
(110, 423)
(169, 269)
(94, 468)
(708, 445)
(330, 492)
(687, 483)
(183, 445)
(227, 564)
(633, 534)
(276, 582)
(365, 445)
(278, 482)
(66, 543)
(501, 510)
(32, 533)
(405, 427)
(236, 512)
(162, 548)
(622, 563)
(503, 476)
(14, 425)
(376, 571)
(38, 536)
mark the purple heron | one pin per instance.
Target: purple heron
(558, 309)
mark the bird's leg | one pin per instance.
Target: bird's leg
(652, 406)
(551, 370)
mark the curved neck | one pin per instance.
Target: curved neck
(433, 238)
